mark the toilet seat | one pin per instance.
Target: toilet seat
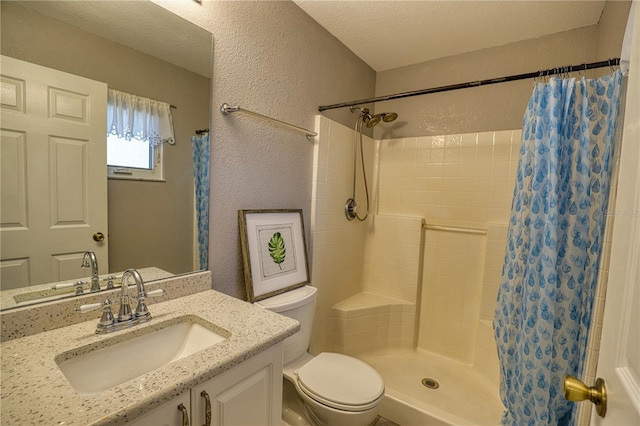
(341, 382)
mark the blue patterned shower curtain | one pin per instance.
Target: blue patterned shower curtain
(554, 242)
(201, 156)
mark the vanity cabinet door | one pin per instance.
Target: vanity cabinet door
(168, 414)
(248, 394)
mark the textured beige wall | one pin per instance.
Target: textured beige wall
(499, 106)
(488, 108)
(611, 29)
(272, 58)
(137, 210)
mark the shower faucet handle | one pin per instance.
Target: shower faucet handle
(351, 209)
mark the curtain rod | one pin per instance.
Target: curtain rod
(543, 73)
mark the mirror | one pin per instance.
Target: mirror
(140, 48)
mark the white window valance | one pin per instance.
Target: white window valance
(134, 117)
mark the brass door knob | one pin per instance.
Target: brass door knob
(575, 390)
(98, 236)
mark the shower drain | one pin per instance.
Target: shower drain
(430, 383)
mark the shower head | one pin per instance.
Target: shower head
(371, 121)
(368, 119)
(388, 116)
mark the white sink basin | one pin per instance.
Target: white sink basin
(95, 368)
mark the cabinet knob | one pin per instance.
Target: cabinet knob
(575, 390)
(185, 415)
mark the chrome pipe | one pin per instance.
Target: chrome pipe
(227, 109)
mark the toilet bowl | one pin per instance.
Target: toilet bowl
(334, 389)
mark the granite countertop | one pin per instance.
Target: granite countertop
(34, 390)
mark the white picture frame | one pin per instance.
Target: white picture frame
(274, 251)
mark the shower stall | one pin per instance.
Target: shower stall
(412, 290)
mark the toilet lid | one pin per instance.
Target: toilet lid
(340, 380)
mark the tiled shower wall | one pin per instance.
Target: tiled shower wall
(451, 293)
(392, 257)
(456, 180)
(381, 255)
(369, 322)
(383, 314)
(460, 181)
(337, 244)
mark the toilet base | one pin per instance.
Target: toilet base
(292, 406)
(300, 410)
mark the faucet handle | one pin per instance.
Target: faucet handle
(155, 293)
(83, 309)
(109, 280)
(141, 309)
(106, 320)
(78, 285)
(65, 285)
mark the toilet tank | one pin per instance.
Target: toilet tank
(298, 304)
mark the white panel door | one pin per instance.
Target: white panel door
(619, 360)
(53, 175)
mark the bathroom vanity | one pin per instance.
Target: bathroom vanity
(240, 373)
(247, 394)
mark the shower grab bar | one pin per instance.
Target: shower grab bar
(227, 109)
(475, 231)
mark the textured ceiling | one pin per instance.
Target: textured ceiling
(389, 34)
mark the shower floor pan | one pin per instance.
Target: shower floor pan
(463, 397)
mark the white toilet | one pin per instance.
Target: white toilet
(335, 389)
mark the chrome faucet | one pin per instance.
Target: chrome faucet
(125, 318)
(125, 307)
(90, 260)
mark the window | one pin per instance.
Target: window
(137, 130)
(134, 159)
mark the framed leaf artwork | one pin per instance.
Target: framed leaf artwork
(274, 252)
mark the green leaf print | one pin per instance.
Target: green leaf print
(277, 249)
